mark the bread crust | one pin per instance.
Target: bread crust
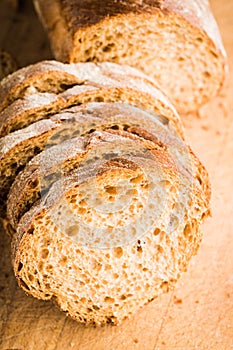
(156, 158)
(48, 76)
(185, 237)
(85, 13)
(73, 20)
(93, 116)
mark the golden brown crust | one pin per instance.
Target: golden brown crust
(36, 76)
(189, 21)
(92, 116)
(85, 13)
(54, 77)
(184, 243)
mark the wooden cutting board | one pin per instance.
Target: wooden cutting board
(198, 314)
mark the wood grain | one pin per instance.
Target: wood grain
(199, 313)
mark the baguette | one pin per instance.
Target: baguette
(175, 42)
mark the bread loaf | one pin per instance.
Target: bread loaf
(106, 197)
(175, 42)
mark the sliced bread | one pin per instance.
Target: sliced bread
(75, 121)
(40, 90)
(176, 42)
(17, 148)
(112, 235)
(56, 77)
(56, 162)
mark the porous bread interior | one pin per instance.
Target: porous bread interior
(53, 82)
(79, 120)
(105, 285)
(60, 159)
(27, 116)
(119, 92)
(181, 59)
(15, 157)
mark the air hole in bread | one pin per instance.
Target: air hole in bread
(99, 99)
(23, 284)
(87, 52)
(34, 183)
(31, 278)
(109, 300)
(95, 307)
(164, 286)
(36, 150)
(118, 252)
(49, 268)
(160, 249)
(125, 127)
(63, 260)
(44, 253)
(188, 230)
(20, 266)
(111, 190)
(108, 47)
(65, 87)
(115, 127)
(31, 231)
(91, 131)
(137, 180)
(207, 74)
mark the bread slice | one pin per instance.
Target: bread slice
(76, 121)
(23, 112)
(45, 76)
(175, 42)
(112, 83)
(56, 162)
(32, 108)
(113, 235)
(19, 147)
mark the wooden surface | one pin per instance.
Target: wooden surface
(199, 313)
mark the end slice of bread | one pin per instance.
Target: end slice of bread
(175, 42)
(112, 235)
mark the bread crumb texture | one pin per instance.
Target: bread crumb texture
(106, 198)
(176, 43)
